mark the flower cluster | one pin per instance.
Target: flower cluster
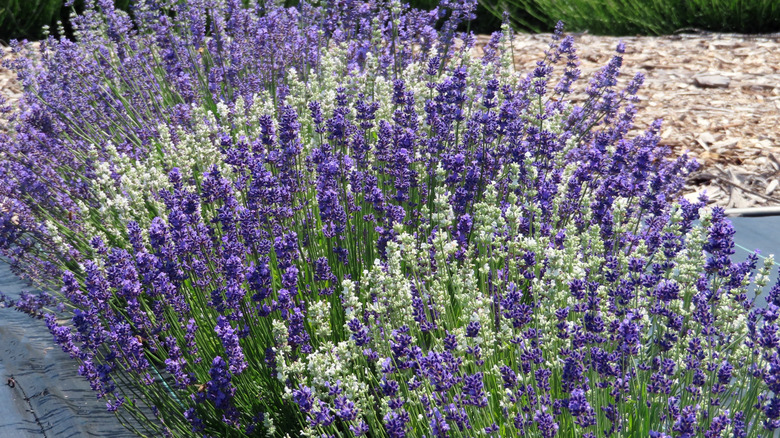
(103, 118)
(337, 221)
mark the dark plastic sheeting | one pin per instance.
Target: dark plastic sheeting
(762, 233)
(50, 399)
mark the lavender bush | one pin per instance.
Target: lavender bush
(335, 221)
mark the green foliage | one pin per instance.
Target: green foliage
(647, 17)
(25, 19)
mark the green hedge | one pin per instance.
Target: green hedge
(645, 17)
(25, 19)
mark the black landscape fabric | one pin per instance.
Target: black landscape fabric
(47, 397)
(762, 233)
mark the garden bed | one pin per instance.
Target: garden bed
(383, 236)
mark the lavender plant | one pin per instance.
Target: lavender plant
(126, 92)
(388, 237)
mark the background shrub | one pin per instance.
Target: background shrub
(647, 17)
(25, 19)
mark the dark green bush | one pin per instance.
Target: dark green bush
(646, 17)
(25, 19)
